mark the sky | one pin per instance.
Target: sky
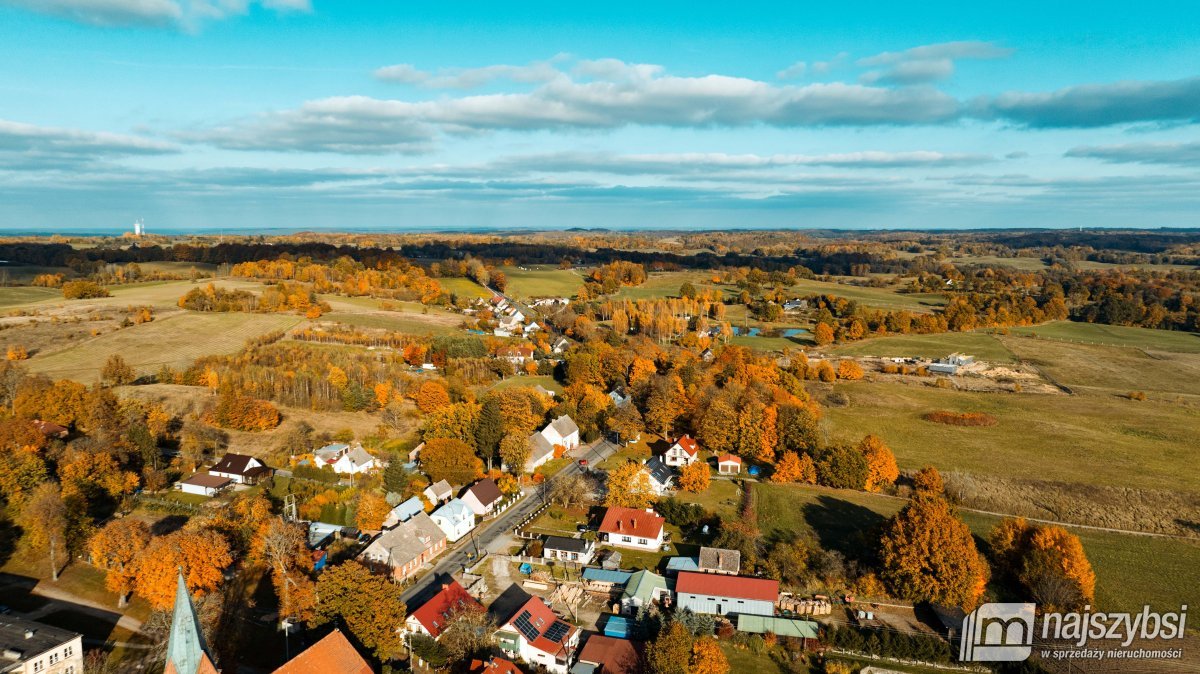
(265, 115)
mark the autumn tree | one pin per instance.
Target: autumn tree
(45, 520)
(369, 606)
(283, 547)
(825, 372)
(201, 554)
(372, 510)
(22, 469)
(469, 630)
(881, 463)
(718, 427)
(927, 553)
(665, 404)
(1047, 560)
(431, 395)
(116, 371)
(695, 477)
(928, 481)
(787, 562)
(16, 352)
(849, 370)
(708, 658)
(671, 652)
(514, 452)
(822, 334)
(629, 486)
(795, 467)
(241, 412)
(457, 421)
(114, 549)
(451, 460)
(842, 466)
(626, 422)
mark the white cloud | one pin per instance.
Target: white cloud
(794, 71)
(686, 163)
(469, 78)
(30, 144)
(157, 13)
(1095, 105)
(1182, 154)
(928, 63)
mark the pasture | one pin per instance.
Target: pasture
(11, 296)
(545, 381)
(1130, 569)
(436, 322)
(542, 281)
(1087, 439)
(1114, 335)
(1112, 370)
(464, 287)
(879, 298)
(979, 344)
(176, 341)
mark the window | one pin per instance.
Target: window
(38, 666)
(574, 555)
(53, 658)
(626, 539)
(68, 651)
(642, 541)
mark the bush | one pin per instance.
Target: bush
(82, 290)
(960, 418)
(1136, 395)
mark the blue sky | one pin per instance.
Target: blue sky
(307, 114)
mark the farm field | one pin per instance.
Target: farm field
(1111, 370)
(660, 285)
(1114, 335)
(979, 344)
(464, 287)
(1086, 439)
(881, 298)
(175, 340)
(542, 281)
(436, 322)
(1129, 568)
(546, 382)
(11, 296)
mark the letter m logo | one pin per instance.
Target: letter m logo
(997, 633)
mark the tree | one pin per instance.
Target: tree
(842, 467)
(718, 427)
(369, 606)
(928, 481)
(283, 547)
(451, 460)
(881, 463)
(927, 553)
(822, 334)
(825, 372)
(514, 452)
(21, 471)
(571, 491)
(629, 486)
(396, 477)
(626, 422)
(671, 652)
(431, 395)
(795, 467)
(116, 371)
(665, 404)
(114, 549)
(1047, 560)
(695, 477)
(787, 562)
(202, 554)
(83, 290)
(45, 520)
(16, 352)
(469, 630)
(453, 421)
(372, 510)
(848, 369)
(708, 658)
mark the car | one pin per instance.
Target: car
(581, 528)
(583, 463)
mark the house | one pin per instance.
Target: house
(186, 651)
(544, 391)
(720, 560)
(604, 580)
(482, 496)
(618, 397)
(633, 528)
(241, 469)
(562, 432)
(329, 454)
(561, 345)
(493, 665)
(439, 491)
(204, 484)
(726, 595)
(499, 332)
(729, 464)
(455, 518)
(28, 647)
(795, 305)
(414, 455)
(331, 655)
(643, 589)
(516, 355)
(578, 550)
(684, 452)
(541, 450)
(355, 462)
(433, 616)
(536, 635)
(662, 476)
(707, 355)
(50, 429)
(532, 328)
(403, 512)
(606, 655)
(406, 548)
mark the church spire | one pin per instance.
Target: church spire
(186, 651)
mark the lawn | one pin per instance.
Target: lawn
(1130, 569)
(436, 322)
(543, 281)
(1115, 335)
(175, 340)
(11, 296)
(545, 381)
(979, 344)
(722, 497)
(1088, 439)
(768, 343)
(463, 287)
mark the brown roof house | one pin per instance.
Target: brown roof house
(241, 469)
(483, 496)
(406, 548)
(333, 654)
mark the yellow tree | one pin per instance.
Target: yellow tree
(629, 486)
(928, 481)
(695, 477)
(282, 546)
(201, 554)
(881, 463)
(432, 395)
(114, 549)
(848, 369)
(372, 510)
(708, 658)
(368, 605)
(44, 517)
(795, 467)
(928, 553)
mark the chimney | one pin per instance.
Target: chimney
(619, 527)
(28, 634)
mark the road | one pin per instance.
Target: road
(456, 559)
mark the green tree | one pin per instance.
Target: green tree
(671, 652)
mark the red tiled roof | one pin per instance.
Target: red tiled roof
(688, 444)
(206, 666)
(730, 458)
(541, 617)
(615, 656)
(631, 522)
(432, 614)
(331, 655)
(738, 587)
(494, 666)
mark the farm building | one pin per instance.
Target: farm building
(726, 595)
(720, 560)
(241, 469)
(578, 550)
(455, 518)
(677, 564)
(431, 617)
(632, 528)
(482, 496)
(684, 452)
(783, 627)
(729, 464)
(643, 589)
(604, 580)
(204, 484)
(536, 635)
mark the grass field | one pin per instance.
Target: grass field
(979, 344)
(176, 341)
(545, 381)
(464, 287)
(1115, 335)
(1111, 370)
(882, 298)
(1089, 439)
(11, 296)
(1130, 569)
(542, 281)
(436, 322)
(666, 284)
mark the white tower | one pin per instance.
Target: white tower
(139, 228)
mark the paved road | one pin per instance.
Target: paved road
(456, 560)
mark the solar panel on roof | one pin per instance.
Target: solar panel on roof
(557, 631)
(525, 627)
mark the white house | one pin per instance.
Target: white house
(482, 496)
(684, 452)
(536, 635)
(439, 491)
(632, 528)
(561, 432)
(532, 328)
(203, 484)
(29, 647)
(355, 462)
(240, 468)
(561, 345)
(329, 454)
(578, 550)
(455, 518)
(662, 476)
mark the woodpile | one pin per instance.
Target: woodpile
(814, 607)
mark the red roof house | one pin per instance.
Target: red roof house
(684, 452)
(432, 616)
(493, 665)
(332, 655)
(633, 528)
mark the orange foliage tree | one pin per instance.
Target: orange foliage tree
(114, 549)
(241, 412)
(1047, 560)
(795, 467)
(201, 554)
(450, 459)
(881, 463)
(372, 510)
(695, 477)
(848, 369)
(928, 553)
(708, 658)
(431, 395)
(929, 481)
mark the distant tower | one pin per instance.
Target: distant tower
(186, 652)
(139, 228)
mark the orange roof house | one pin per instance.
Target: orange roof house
(333, 654)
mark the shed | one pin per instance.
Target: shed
(604, 580)
(677, 564)
(783, 627)
(616, 626)
(729, 464)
